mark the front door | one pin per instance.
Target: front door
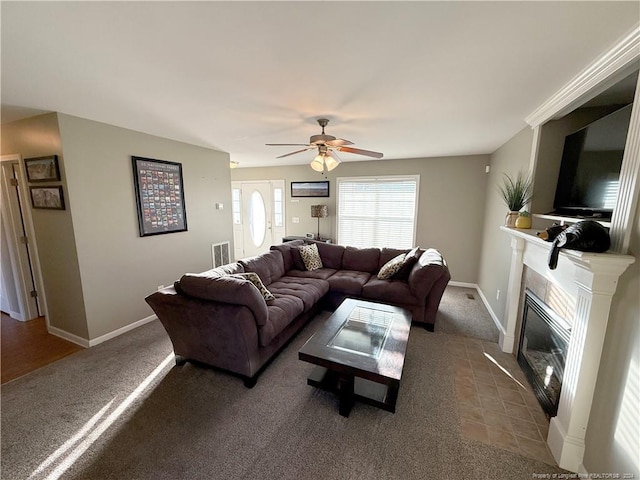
(256, 234)
(260, 220)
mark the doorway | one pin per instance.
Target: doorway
(258, 216)
(19, 296)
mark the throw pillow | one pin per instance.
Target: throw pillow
(255, 279)
(392, 267)
(409, 261)
(310, 256)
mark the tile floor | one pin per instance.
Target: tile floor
(496, 403)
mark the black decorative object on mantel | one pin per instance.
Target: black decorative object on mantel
(584, 236)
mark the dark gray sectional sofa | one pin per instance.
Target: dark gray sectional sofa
(224, 321)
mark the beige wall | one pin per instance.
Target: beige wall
(36, 137)
(450, 209)
(119, 268)
(96, 268)
(495, 257)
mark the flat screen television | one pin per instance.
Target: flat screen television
(589, 176)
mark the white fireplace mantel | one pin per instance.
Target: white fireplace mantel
(591, 280)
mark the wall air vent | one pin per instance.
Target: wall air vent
(220, 254)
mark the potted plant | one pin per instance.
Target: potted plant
(524, 220)
(516, 193)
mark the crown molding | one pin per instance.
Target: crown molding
(598, 76)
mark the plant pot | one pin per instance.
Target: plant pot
(510, 219)
(523, 222)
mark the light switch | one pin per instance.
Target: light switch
(219, 206)
(295, 219)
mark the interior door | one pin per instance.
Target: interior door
(257, 232)
(17, 268)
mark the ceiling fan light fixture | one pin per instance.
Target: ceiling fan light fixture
(331, 162)
(317, 163)
(328, 146)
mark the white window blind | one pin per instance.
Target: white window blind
(377, 212)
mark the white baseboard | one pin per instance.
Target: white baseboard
(494, 317)
(83, 342)
(58, 332)
(17, 316)
(463, 284)
(4, 306)
(120, 331)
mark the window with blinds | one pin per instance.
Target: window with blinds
(377, 212)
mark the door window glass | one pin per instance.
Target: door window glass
(257, 218)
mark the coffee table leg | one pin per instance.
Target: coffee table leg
(345, 386)
(392, 396)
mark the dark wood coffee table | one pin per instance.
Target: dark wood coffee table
(359, 353)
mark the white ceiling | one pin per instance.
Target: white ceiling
(410, 79)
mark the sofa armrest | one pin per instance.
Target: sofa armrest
(427, 270)
(214, 333)
(231, 290)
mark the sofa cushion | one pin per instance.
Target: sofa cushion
(331, 254)
(310, 257)
(309, 290)
(269, 266)
(322, 273)
(409, 261)
(290, 255)
(395, 292)
(392, 267)
(361, 259)
(223, 270)
(255, 279)
(226, 289)
(348, 282)
(282, 311)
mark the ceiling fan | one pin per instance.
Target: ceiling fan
(327, 146)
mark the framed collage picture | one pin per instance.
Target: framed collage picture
(159, 196)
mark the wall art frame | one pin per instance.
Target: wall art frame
(159, 190)
(310, 189)
(42, 169)
(47, 198)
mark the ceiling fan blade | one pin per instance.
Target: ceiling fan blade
(339, 142)
(297, 151)
(287, 144)
(359, 151)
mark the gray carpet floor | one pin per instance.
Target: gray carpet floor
(101, 414)
(462, 312)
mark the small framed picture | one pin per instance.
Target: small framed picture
(310, 189)
(42, 169)
(50, 198)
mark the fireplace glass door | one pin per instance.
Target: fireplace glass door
(542, 351)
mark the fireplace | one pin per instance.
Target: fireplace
(589, 280)
(542, 351)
